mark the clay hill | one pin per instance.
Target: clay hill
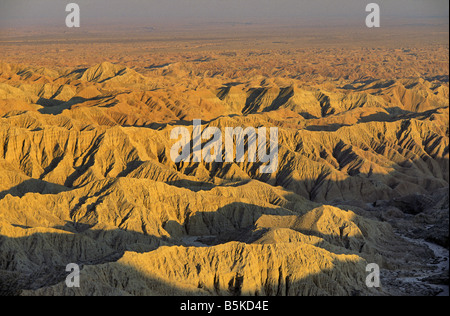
(86, 177)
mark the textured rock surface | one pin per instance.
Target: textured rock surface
(86, 177)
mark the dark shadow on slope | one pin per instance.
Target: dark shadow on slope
(34, 186)
(55, 107)
(441, 78)
(154, 66)
(24, 268)
(24, 265)
(192, 185)
(257, 95)
(40, 259)
(77, 73)
(49, 102)
(88, 161)
(325, 128)
(250, 106)
(394, 114)
(368, 187)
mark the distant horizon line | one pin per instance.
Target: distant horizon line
(167, 23)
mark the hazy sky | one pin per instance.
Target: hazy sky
(21, 12)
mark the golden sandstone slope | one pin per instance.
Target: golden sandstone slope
(86, 177)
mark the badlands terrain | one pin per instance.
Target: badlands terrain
(86, 175)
